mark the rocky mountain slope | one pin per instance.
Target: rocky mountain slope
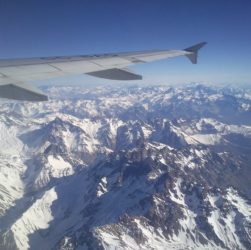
(127, 168)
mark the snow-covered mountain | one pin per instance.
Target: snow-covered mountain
(127, 168)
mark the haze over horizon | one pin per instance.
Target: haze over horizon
(46, 28)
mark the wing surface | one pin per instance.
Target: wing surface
(15, 72)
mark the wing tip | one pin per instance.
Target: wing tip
(193, 55)
(196, 47)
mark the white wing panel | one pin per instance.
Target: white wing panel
(27, 70)
(34, 77)
(76, 66)
(113, 61)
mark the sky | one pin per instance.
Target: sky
(31, 28)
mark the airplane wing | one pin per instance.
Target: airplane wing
(16, 73)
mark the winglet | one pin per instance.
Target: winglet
(193, 55)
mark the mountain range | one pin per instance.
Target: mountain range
(154, 167)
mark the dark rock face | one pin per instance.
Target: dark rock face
(162, 168)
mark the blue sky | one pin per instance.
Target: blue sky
(62, 27)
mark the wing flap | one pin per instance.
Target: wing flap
(116, 74)
(22, 92)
